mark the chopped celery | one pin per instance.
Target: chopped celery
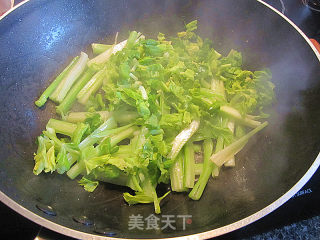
(144, 111)
(102, 58)
(189, 165)
(224, 155)
(62, 127)
(91, 139)
(99, 48)
(69, 100)
(231, 162)
(208, 166)
(80, 167)
(235, 114)
(66, 83)
(182, 138)
(176, 175)
(46, 94)
(91, 87)
(75, 117)
(125, 117)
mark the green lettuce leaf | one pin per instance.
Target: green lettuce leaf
(89, 185)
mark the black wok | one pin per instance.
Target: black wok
(39, 38)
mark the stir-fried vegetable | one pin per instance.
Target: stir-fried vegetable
(147, 106)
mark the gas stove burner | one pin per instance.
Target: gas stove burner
(314, 5)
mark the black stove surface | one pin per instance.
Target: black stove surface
(304, 205)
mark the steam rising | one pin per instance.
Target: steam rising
(266, 40)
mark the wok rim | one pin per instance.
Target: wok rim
(202, 235)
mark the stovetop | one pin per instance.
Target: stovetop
(304, 205)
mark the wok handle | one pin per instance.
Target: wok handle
(316, 44)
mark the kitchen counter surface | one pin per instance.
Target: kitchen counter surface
(301, 230)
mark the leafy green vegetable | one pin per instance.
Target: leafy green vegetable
(44, 159)
(63, 163)
(79, 132)
(91, 139)
(94, 120)
(149, 108)
(141, 197)
(88, 184)
(147, 195)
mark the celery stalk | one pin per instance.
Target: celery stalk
(68, 101)
(235, 114)
(176, 175)
(99, 48)
(91, 87)
(104, 57)
(182, 138)
(62, 127)
(76, 170)
(208, 166)
(64, 86)
(91, 139)
(224, 155)
(75, 117)
(127, 133)
(231, 162)
(80, 167)
(189, 165)
(46, 94)
(125, 117)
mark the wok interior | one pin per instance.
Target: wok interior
(39, 39)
